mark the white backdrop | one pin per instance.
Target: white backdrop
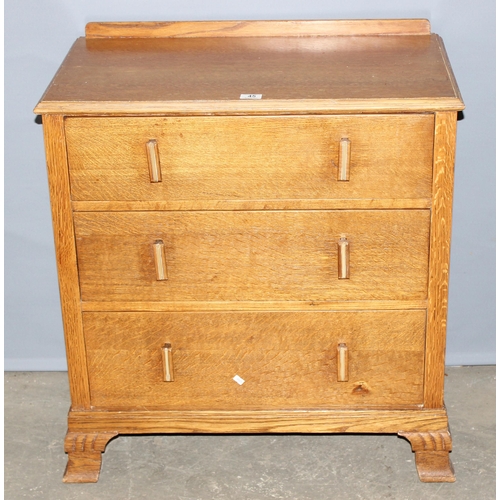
(39, 34)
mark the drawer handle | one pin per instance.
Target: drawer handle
(342, 363)
(343, 259)
(168, 365)
(160, 260)
(153, 161)
(344, 159)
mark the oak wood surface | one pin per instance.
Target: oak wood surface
(250, 212)
(153, 160)
(83, 467)
(208, 75)
(189, 205)
(439, 261)
(253, 255)
(85, 455)
(233, 421)
(245, 158)
(339, 27)
(160, 260)
(432, 455)
(343, 257)
(342, 363)
(287, 360)
(253, 305)
(449, 69)
(167, 362)
(434, 467)
(264, 107)
(64, 239)
(344, 159)
(429, 441)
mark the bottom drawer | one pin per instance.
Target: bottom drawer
(286, 359)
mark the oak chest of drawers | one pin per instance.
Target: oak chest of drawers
(266, 262)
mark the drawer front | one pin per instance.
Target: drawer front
(286, 360)
(252, 255)
(250, 158)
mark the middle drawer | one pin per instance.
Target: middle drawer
(268, 255)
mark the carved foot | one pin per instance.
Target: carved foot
(85, 455)
(432, 450)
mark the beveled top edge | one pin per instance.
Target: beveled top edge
(268, 107)
(290, 28)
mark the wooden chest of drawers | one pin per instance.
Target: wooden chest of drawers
(268, 262)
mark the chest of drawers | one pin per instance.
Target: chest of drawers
(268, 262)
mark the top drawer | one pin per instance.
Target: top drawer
(250, 158)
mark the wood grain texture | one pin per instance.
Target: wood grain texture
(288, 360)
(85, 455)
(432, 455)
(231, 158)
(153, 161)
(294, 74)
(168, 363)
(434, 467)
(190, 205)
(250, 212)
(160, 260)
(439, 440)
(178, 107)
(439, 262)
(64, 239)
(225, 29)
(344, 160)
(313, 421)
(253, 305)
(449, 69)
(343, 258)
(253, 255)
(342, 363)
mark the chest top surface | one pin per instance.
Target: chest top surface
(315, 66)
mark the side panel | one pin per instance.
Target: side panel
(439, 261)
(57, 167)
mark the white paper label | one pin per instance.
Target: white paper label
(238, 380)
(251, 96)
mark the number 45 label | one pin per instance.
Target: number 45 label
(251, 96)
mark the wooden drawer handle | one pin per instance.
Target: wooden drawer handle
(343, 258)
(342, 363)
(153, 161)
(160, 260)
(168, 365)
(344, 159)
